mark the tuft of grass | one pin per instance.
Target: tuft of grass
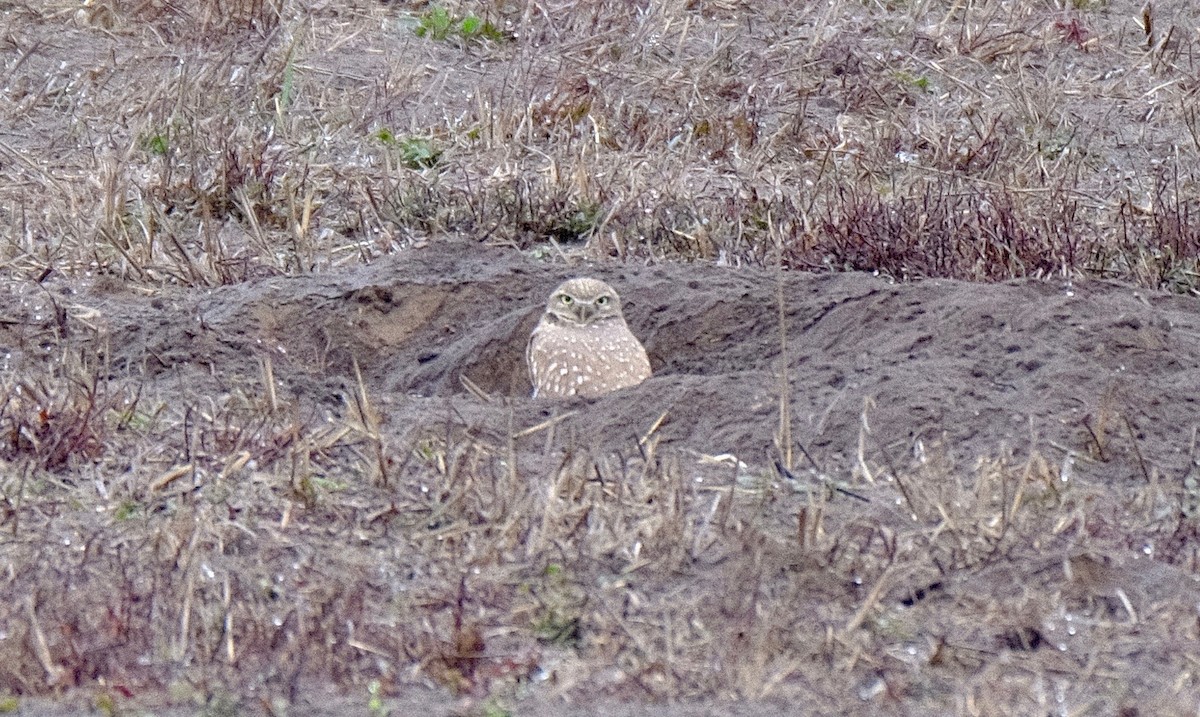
(157, 143)
(435, 23)
(127, 510)
(473, 27)
(921, 82)
(559, 617)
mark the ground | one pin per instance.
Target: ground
(917, 283)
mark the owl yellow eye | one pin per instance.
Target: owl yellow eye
(602, 301)
(567, 300)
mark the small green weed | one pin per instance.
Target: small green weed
(492, 708)
(157, 144)
(105, 704)
(554, 628)
(419, 152)
(558, 621)
(288, 89)
(473, 27)
(126, 510)
(415, 152)
(435, 24)
(921, 82)
(438, 24)
(375, 704)
(577, 222)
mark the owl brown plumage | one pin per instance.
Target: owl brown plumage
(582, 346)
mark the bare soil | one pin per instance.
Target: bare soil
(918, 284)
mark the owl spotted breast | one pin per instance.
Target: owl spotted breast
(582, 347)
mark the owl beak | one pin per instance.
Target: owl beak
(587, 311)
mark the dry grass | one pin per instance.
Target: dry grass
(165, 541)
(275, 559)
(1004, 139)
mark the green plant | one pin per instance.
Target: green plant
(556, 628)
(287, 89)
(415, 152)
(419, 152)
(157, 144)
(921, 82)
(492, 708)
(375, 700)
(435, 24)
(578, 222)
(558, 622)
(472, 27)
(438, 24)
(105, 704)
(126, 510)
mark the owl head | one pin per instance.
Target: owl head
(584, 301)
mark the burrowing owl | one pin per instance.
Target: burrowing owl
(582, 347)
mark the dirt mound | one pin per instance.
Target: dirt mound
(975, 367)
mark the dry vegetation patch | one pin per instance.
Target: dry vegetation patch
(180, 529)
(210, 144)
